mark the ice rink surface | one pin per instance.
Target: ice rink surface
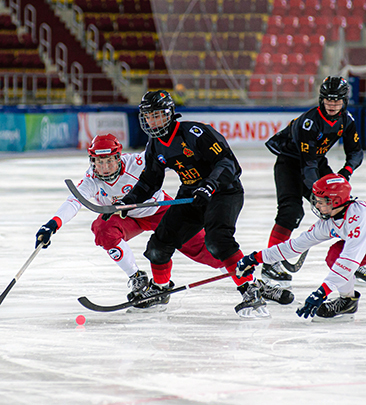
(196, 352)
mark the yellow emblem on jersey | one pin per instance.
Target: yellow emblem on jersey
(188, 152)
(179, 164)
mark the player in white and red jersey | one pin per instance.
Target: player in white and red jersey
(110, 177)
(342, 218)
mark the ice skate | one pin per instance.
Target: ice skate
(150, 291)
(275, 293)
(341, 309)
(360, 275)
(253, 305)
(137, 282)
(274, 274)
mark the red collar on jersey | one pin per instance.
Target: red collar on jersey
(331, 123)
(167, 144)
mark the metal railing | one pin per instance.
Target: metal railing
(39, 88)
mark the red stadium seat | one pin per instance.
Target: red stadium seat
(311, 65)
(269, 43)
(313, 7)
(280, 7)
(263, 63)
(291, 25)
(317, 43)
(296, 7)
(301, 43)
(307, 25)
(285, 43)
(345, 8)
(261, 87)
(324, 26)
(279, 63)
(295, 63)
(354, 27)
(275, 25)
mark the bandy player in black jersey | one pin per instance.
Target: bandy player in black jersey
(209, 172)
(301, 150)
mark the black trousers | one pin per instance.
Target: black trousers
(291, 189)
(182, 222)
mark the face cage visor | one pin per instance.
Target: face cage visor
(324, 201)
(155, 123)
(109, 177)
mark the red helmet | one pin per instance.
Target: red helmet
(104, 146)
(334, 188)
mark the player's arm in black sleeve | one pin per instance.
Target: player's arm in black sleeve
(352, 149)
(306, 143)
(150, 181)
(214, 149)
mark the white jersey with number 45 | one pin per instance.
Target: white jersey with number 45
(105, 193)
(351, 228)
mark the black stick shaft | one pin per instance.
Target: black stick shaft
(20, 272)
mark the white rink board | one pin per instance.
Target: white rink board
(244, 128)
(196, 352)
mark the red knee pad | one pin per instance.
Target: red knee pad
(107, 233)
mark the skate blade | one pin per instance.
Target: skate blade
(334, 319)
(360, 281)
(275, 283)
(259, 313)
(149, 310)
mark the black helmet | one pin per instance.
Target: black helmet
(334, 88)
(162, 104)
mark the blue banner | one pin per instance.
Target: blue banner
(12, 132)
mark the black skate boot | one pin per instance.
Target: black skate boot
(137, 282)
(276, 275)
(151, 290)
(276, 293)
(360, 274)
(253, 305)
(342, 308)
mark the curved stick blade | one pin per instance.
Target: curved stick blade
(293, 268)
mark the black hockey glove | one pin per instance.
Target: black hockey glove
(202, 195)
(345, 173)
(45, 232)
(245, 266)
(122, 214)
(312, 303)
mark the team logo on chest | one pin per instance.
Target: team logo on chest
(308, 123)
(104, 194)
(196, 131)
(187, 151)
(126, 188)
(162, 159)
